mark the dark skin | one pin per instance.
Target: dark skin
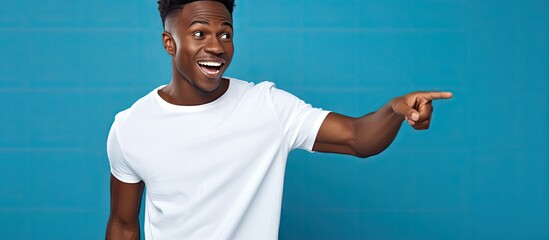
(202, 32)
(125, 203)
(199, 39)
(372, 133)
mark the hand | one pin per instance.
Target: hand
(417, 107)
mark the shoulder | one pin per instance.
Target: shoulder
(268, 92)
(251, 85)
(141, 105)
(252, 88)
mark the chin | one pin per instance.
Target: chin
(209, 85)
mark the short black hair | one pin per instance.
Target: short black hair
(166, 7)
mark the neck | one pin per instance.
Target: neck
(181, 91)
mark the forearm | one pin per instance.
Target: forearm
(371, 134)
(374, 132)
(118, 230)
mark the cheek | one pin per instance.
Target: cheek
(229, 49)
(184, 61)
(186, 53)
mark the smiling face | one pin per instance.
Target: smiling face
(199, 38)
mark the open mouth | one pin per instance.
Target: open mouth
(210, 67)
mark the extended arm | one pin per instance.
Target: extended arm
(371, 134)
(124, 217)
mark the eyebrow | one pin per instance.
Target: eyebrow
(198, 21)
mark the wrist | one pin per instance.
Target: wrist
(391, 107)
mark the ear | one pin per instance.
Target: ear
(169, 43)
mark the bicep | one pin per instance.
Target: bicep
(336, 134)
(125, 200)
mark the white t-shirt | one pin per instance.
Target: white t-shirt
(212, 171)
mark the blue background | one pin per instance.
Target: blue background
(480, 172)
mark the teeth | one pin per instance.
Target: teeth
(211, 64)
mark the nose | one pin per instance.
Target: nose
(214, 46)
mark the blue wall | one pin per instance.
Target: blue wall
(480, 172)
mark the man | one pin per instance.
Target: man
(212, 150)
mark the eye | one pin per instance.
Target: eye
(198, 34)
(225, 36)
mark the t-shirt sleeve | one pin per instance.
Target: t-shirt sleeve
(299, 120)
(119, 166)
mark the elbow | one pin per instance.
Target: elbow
(121, 229)
(123, 222)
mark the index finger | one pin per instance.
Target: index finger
(435, 95)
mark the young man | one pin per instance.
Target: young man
(212, 150)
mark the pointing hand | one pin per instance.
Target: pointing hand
(417, 107)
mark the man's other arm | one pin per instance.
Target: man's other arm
(371, 134)
(124, 216)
